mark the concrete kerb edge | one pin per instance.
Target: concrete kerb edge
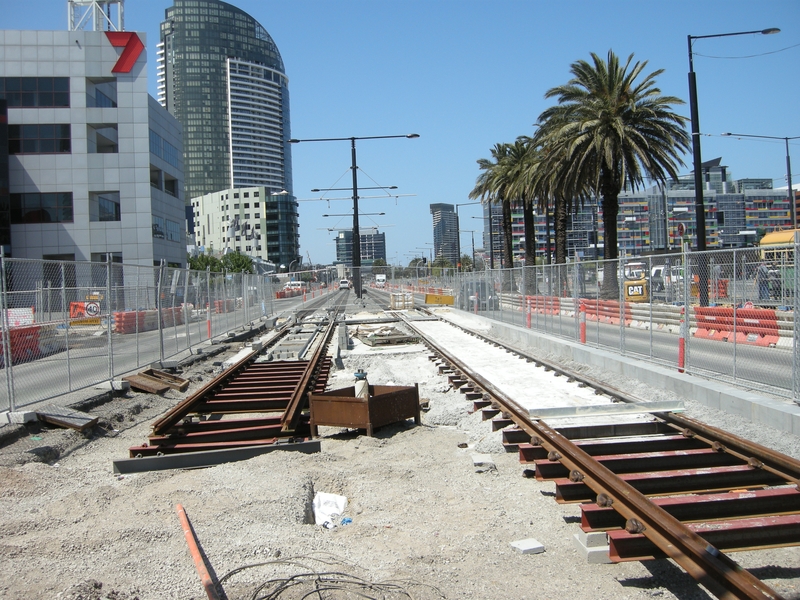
(779, 414)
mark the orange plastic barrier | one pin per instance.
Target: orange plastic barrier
(758, 327)
(24, 343)
(545, 305)
(607, 311)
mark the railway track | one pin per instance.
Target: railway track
(660, 486)
(258, 402)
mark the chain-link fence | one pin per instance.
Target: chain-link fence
(70, 325)
(726, 314)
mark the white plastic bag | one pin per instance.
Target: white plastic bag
(328, 508)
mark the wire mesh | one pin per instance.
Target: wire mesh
(723, 314)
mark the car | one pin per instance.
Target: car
(344, 284)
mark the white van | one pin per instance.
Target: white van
(296, 285)
(344, 284)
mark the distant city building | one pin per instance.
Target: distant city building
(445, 232)
(222, 76)
(249, 220)
(94, 163)
(373, 246)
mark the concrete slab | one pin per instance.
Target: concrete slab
(483, 463)
(528, 546)
(594, 555)
(18, 417)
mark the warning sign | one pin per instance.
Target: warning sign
(92, 309)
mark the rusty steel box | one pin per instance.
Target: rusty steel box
(386, 404)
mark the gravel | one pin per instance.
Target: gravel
(424, 522)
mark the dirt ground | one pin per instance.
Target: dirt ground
(421, 521)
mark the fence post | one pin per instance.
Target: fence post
(7, 363)
(108, 318)
(208, 303)
(185, 308)
(620, 274)
(159, 306)
(795, 343)
(688, 279)
(65, 312)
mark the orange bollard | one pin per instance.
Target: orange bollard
(583, 322)
(528, 312)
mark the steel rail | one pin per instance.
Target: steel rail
(707, 565)
(177, 412)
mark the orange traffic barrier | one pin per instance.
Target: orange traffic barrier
(754, 326)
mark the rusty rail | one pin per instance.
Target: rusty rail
(645, 518)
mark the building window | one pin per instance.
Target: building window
(41, 208)
(39, 139)
(158, 227)
(35, 92)
(173, 231)
(104, 206)
(164, 150)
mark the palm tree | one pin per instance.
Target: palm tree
(611, 131)
(492, 187)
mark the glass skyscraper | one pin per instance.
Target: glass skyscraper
(221, 75)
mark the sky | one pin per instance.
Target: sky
(468, 74)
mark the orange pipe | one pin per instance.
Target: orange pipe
(199, 564)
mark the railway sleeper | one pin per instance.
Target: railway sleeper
(728, 536)
(717, 479)
(702, 507)
(646, 462)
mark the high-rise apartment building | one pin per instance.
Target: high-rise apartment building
(445, 232)
(221, 75)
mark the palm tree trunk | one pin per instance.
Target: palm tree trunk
(610, 289)
(561, 246)
(530, 247)
(507, 246)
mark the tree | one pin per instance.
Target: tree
(379, 267)
(199, 263)
(610, 131)
(236, 262)
(466, 262)
(492, 187)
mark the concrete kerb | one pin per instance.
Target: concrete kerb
(783, 415)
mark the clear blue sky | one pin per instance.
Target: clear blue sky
(466, 74)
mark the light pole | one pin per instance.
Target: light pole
(472, 231)
(458, 227)
(790, 191)
(491, 237)
(699, 208)
(354, 167)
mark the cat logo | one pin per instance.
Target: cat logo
(635, 290)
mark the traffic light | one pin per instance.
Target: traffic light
(424, 261)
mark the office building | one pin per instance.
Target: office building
(249, 220)
(94, 163)
(373, 246)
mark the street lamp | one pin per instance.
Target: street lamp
(458, 225)
(472, 231)
(699, 208)
(790, 191)
(354, 167)
(491, 237)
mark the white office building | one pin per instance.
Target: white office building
(94, 163)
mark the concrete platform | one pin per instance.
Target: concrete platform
(782, 414)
